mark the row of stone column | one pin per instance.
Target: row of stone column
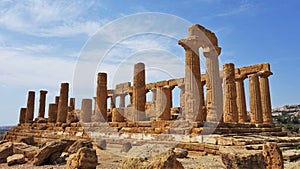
(234, 97)
(57, 112)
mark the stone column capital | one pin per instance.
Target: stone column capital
(191, 44)
(264, 74)
(43, 91)
(240, 77)
(210, 51)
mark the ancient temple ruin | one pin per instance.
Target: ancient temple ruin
(202, 122)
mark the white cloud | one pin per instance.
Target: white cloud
(49, 18)
(20, 67)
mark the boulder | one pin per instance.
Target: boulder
(126, 147)
(79, 144)
(181, 153)
(6, 150)
(27, 140)
(85, 158)
(16, 159)
(50, 152)
(162, 161)
(3, 141)
(235, 158)
(102, 144)
(27, 150)
(273, 156)
(72, 117)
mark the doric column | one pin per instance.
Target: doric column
(112, 103)
(72, 105)
(62, 111)
(203, 103)
(86, 110)
(122, 100)
(255, 99)
(52, 113)
(30, 107)
(56, 100)
(192, 84)
(181, 95)
(101, 97)
(164, 102)
(139, 91)
(22, 115)
(42, 104)
(265, 96)
(214, 94)
(230, 107)
(131, 98)
(241, 99)
(154, 92)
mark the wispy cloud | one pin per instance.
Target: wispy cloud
(49, 18)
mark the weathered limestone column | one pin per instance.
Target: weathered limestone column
(265, 97)
(117, 115)
(203, 103)
(72, 105)
(255, 99)
(192, 106)
(42, 104)
(86, 110)
(30, 107)
(22, 115)
(230, 106)
(139, 91)
(154, 93)
(241, 99)
(131, 98)
(56, 100)
(122, 100)
(52, 113)
(181, 87)
(164, 103)
(214, 94)
(112, 103)
(62, 111)
(101, 97)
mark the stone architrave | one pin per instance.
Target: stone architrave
(86, 110)
(22, 115)
(101, 97)
(62, 111)
(240, 98)
(42, 104)
(265, 97)
(139, 92)
(30, 107)
(164, 102)
(255, 99)
(52, 113)
(230, 106)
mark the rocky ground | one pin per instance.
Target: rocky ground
(109, 159)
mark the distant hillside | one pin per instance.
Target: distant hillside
(288, 116)
(4, 129)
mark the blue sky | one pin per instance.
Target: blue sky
(40, 42)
